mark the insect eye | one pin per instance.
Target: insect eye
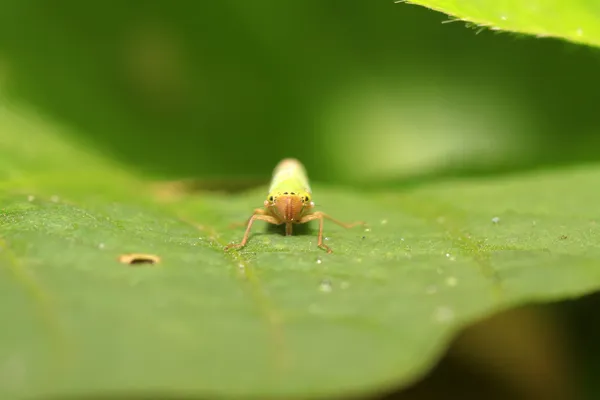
(270, 198)
(307, 198)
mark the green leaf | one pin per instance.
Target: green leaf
(280, 317)
(577, 20)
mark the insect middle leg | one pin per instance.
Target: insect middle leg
(340, 223)
(261, 217)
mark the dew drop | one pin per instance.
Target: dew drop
(503, 17)
(448, 255)
(384, 221)
(402, 239)
(443, 314)
(54, 199)
(579, 32)
(451, 281)
(319, 261)
(241, 266)
(30, 197)
(325, 286)
(368, 230)
(101, 246)
(495, 220)
(326, 238)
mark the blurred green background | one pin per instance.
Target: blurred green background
(363, 92)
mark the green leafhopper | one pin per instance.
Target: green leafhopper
(290, 202)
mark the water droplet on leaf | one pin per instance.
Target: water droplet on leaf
(451, 281)
(325, 286)
(443, 314)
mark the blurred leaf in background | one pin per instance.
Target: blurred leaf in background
(358, 90)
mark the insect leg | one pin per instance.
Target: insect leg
(253, 218)
(258, 211)
(319, 216)
(326, 216)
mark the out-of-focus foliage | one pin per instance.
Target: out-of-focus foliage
(368, 90)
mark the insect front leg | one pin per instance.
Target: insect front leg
(321, 216)
(257, 211)
(312, 217)
(261, 217)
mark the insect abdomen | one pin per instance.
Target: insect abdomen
(289, 175)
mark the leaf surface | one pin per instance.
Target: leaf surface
(280, 317)
(575, 20)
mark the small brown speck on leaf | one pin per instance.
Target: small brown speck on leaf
(563, 237)
(138, 259)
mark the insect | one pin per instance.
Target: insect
(289, 202)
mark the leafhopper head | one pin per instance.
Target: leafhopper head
(289, 206)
